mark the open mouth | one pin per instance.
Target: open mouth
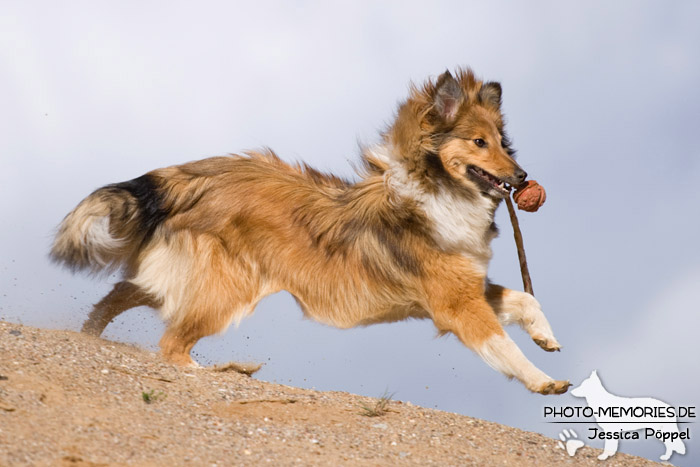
(496, 184)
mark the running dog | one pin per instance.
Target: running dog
(203, 242)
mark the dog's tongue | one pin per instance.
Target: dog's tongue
(529, 196)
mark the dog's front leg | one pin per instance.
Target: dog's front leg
(473, 321)
(513, 307)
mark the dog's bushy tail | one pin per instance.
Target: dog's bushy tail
(108, 228)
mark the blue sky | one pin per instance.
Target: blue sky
(603, 105)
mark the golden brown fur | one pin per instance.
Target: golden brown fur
(203, 242)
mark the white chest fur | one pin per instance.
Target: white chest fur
(460, 225)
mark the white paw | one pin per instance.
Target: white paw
(569, 442)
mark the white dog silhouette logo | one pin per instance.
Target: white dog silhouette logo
(617, 416)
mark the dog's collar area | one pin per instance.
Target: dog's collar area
(500, 186)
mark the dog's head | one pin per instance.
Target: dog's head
(589, 386)
(453, 129)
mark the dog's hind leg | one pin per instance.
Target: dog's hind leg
(204, 288)
(178, 340)
(123, 296)
(197, 322)
(513, 307)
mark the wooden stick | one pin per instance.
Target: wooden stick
(527, 282)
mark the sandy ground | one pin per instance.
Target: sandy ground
(70, 399)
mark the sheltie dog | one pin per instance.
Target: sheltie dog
(203, 242)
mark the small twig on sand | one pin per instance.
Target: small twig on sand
(260, 401)
(243, 368)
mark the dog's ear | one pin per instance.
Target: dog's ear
(490, 94)
(448, 97)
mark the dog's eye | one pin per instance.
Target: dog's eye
(480, 142)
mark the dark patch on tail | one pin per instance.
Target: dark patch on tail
(150, 200)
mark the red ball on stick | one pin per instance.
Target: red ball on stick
(530, 196)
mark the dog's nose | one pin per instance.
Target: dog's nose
(520, 175)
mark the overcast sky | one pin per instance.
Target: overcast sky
(603, 105)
